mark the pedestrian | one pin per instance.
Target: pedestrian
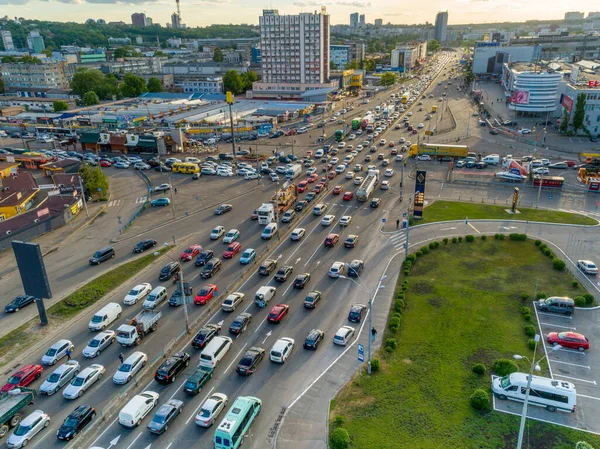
(373, 333)
(397, 223)
(175, 189)
(121, 357)
(68, 354)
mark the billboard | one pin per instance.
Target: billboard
(519, 97)
(567, 102)
(419, 200)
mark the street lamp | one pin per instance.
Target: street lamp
(534, 366)
(183, 292)
(361, 285)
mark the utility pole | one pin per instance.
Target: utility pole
(229, 99)
(87, 214)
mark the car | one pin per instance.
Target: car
(223, 209)
(423, 157)
(28, 428)
(210, 410)
(288, 216)
(559, 165)
(168, 371)
(283, 273)
(389, 172)
(331, 174)
(343, 335)
(211, 267)
(233, 300)
(357, 313)
(59, 377)
(169, 270)
(25, 376)
(57, 351)
(301, 280)
(191, 252)
(311, 171)
(311, 300)
(76, 422)
(231, 236)
(351, 241)
(348, 196)
(300, 205)
(205, 171)
(240, 323)
(121, 164)
(355, 268)
(83, 381)
(525, 131)
(540, 171)
(217, 233)
(205, 294)
(281, 350)
(331, 240)
(319, 187)
(313, 339)
(587, 266)
(99, 343)
(204, 256)
(267, 267)
(494, 131)
(277, 313)
(142, 246)
(349, 175)
(160, 202)
(327, 220)
(248, 256)
(105, 163)
(337, 269)
(141, 166)
(375, 202)
(129, 367)
(232, 250)
(18, 303)
(297, 234)
(194, 383)
(164, 416)
(337, 190)
(536, 163)
(572, 340)
(358, 180)
(138, 292)
(302, 186)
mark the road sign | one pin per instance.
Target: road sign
(361, 353)
(383, 220)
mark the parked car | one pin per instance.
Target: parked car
(572, 340)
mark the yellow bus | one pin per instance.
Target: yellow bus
(185, 167)
(405, 98)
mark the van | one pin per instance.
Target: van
(138, 408)
(215, 351)
(319, 153)
(269, 231)
(556, 304)
(102, 255)
(264, 295)
(319, 209)
(492, 159)
(105, 316)
(193, 160)
(155, 298)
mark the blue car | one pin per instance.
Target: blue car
(248, 256)
(160, 202)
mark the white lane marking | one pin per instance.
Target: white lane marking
(169, 445)
(235, 359)
(50, 431)
(134, 440)
(105, 430)
(588, 397)
(556, 315)
(570, 351)
(195, 412)
(555, 325)
(567, 363)
(313, 254)
(177, 390)
(302, 241)
(575, 378)
(474, 228)
(261, 323)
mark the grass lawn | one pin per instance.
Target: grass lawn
(463, 306)
(454, 210)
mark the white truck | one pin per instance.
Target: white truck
(367, 187)
(293, 172)
(266, 214)
(138, 327)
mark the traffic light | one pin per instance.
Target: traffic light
(229, 97)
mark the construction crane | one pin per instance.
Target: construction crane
(178, 12)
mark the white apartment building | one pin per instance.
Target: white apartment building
(589, 85)
(7, 40)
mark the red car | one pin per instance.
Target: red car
(337, 190)
(313, 178)
(254, 215)
(277, 313)
(318, 187)
(332, 174)
(205, 294)
(302, 186)
(331, 240)
(415, 131)
(191, 252)
(571, 163)
(105, 164)
(348, 196)
(571, 340)
(23, 377)
(232, 250)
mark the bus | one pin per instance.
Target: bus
(556, 182)
(339, 135)
(55, 131)
(185, 167)
(405, 97)
(239, 418)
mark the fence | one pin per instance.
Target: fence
(32, 231)
(144, 204)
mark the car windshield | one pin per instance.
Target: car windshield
(133, 292)
(14, 380)
(204, 292)
(78, 381)
(94, 343)
(125, 367)
(189, 251)
(236, 323)
(97, 319)
(276, 353)
(505, 382)
(53, 378)
(22, 430)
(204, 413)
(246, 361)
(70, 423)
(51, 352)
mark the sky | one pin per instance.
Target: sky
(206, 12)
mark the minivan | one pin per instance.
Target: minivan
(264, 295)
(155, 298)
(138, 408)
(492, 159)
(269, 231)
(319, 209)
(102, 255)
(556, 304)
(105, 316)
(215, 351)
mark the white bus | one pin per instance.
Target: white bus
(550, 393)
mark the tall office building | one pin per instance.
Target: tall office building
(175, 20)
(441, 26)
(354, 20)
(361, 20)
(574, 15)
(378, 22)
(7, 40)
(138, 19)
(35, 42)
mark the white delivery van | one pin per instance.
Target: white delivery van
(269, 231)
(491, 159)
(155, 298)
(215, 351)
(138, 408)
(105, 316)
(264, 295)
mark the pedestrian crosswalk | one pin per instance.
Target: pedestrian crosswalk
(113, 203)
(141, 199)
(398, 240)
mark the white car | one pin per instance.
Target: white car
(100, 342)
(399, 158)
(211, 409)
(385, 185)
(57, 351)
(358, 180)
(121, 164)
(27, 429)
(336, 269)
(60, 377)
(273, 177)
(345, 220)
(130, 366)
(420, 125)
(423, 157)
(359, 148)
(409, 114)
(163, 187)
(281, 350)
(251, 175)
(349, 175)
(389, 172)
(311, 171)
(231, 236)
(341, 145)
(297, 234)
(83, 381)
(327, 220)
(587, 266)
(217, 233)
(540, 171)
(224, 173)
(525, 131)
(141, 166)
(343, 335)
(334, 160)
(138, 292)
(352, 137)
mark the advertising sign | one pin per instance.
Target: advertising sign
(519, 97)
(419, 200)
(515, 200)
(567, 102)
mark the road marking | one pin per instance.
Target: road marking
(555, 315)
(113, 203)
(312, 255)
(177, 390)
(302, 241)
(261, 323)
(556, 325)
(589, 397)
(235, 359)
(141, 199)
(567, 363)
(134, 440)
(570, 351)
(474, 228)
(104, 431)
(42, 438)
(575, 378)
(169, 445)
(448, 229)
(198, 408)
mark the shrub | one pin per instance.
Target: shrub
(501, 236)
(404, 288)
(339, 420)
(538, 242)
(454, 240)
(497, 236)
(460, 239)
(524, 296)
(445, 241)
(517, 237)
(396, 315)
(541, 295)
(574, 284)
(529, 330)
(424, 250)
(436, 244)
(340, 439)
(503, 367)
(387, 348)
(418, 254)
(406, 272)
(543, 246)
(411, 258)
(400, 295)
(480, 400)
(527, 317)
(470, 238)
(375, 365)
(579, 301)
(558, 264)
(531, 343)
(483, 237)
(589, 298)
(432, 245)
(547, 252)
(525, 310)
(479, 368)
(391, 342)
(399, 305)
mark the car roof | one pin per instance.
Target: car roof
(30, 419)
(59, 343)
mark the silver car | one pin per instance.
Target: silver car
(60, 377)
(100, 342)
(28, 428)
(83, 381)
(210, 409)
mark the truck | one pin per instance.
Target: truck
(367, 187)
(11, 403)
(284, 198)
(339, 135)
(387, 112)
(355, 123)
(436, 150)
(266, 214)
(293, 172)
(367, 120)
(138, 327)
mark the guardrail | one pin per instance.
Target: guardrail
(144, 204)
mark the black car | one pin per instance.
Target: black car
(480, 165)
(357, 312)
(355, 268)
(170, 368)
(75, 422)
(301, 280)
(205, 335)
(313, 339)
(211, 267)
(162, 167)
(299, 206)
(204, 257)
(18, 303)
(375, 202)
(250, 361)
(144, 245)
(266, 171)
(223, 208)
(311, 300)
(276, 134)
(267, 267)
(283, 273)
(493, 131)
(169, 271)
(309, 197)
(240, 323)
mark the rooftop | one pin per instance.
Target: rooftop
(16, 189)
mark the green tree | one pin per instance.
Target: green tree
(158, 53)
(109, 88)
(86, 80)
(90, 98)
(47, 52)
(389, 79)
(351, 65)
(218, 55)
(1, 86)
(60, 105)
(8, 59)
(154, 85)
(95, 182)
(248, 78)
(369, 65)
(433, 45)
(132, 86)
(564, 124)
(469, 77)
(232, 81)
(579, 115)
(332, 65)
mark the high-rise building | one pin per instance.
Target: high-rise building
(441, 26)
(7, 40)
(148, 22)
(138, 19)
(175, 20)
(35, 42)
(378, 22)
(50, 74)
(354, 20)
(574, 15)
(361, 20)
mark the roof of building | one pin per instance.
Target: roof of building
(17, 189)
(66, 179)
(5, 165)
(89, 138)
(65, 163)
(317, 92)
(50, 207)
(117, 140)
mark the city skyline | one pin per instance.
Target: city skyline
(207, 12)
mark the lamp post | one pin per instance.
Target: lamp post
(183, 292)
(229, 98)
